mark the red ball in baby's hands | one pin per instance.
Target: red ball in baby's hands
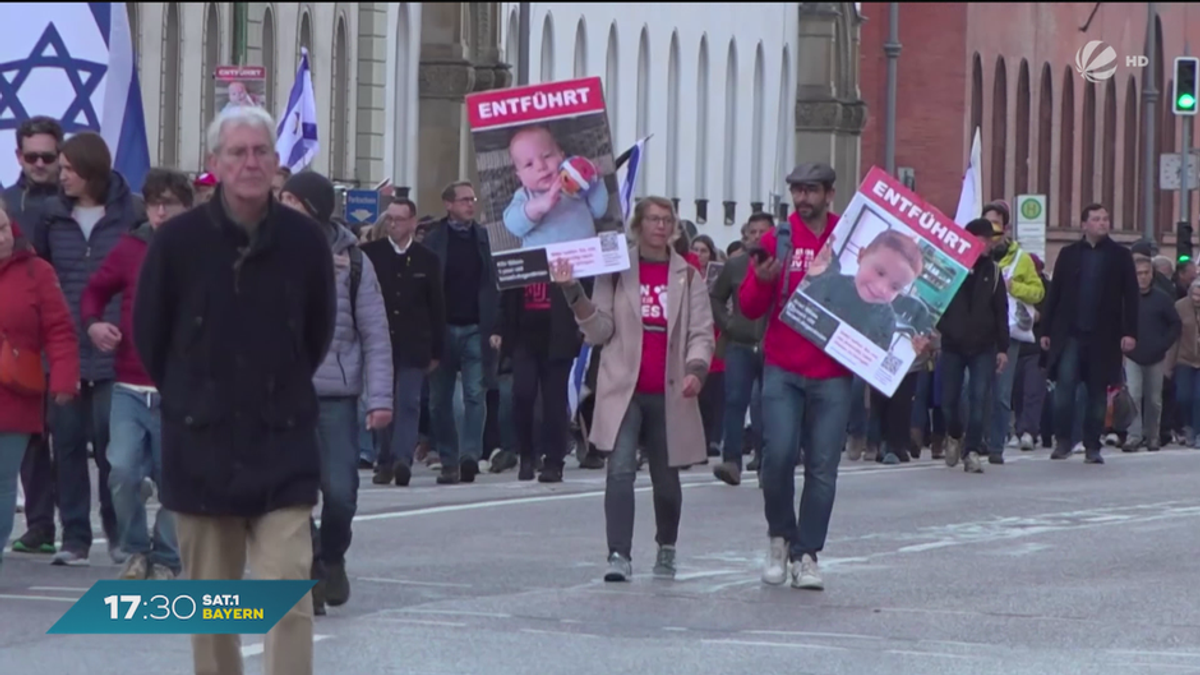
(578, 175)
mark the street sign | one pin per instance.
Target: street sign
(362, 206)
(1031, 224)
(1168, 170)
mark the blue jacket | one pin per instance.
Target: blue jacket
(75, 259)
(26, 204)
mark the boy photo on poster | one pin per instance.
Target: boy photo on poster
(237, 86)
(875, 292)
(548, 180)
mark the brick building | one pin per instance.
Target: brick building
(1009, 68)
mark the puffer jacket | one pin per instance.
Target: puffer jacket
(365, 351)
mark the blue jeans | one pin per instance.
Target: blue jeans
(857, 426)
(798, 411)
(1187, 398)
(463, 354)
(12, 451)
(644, 426)
(921, 401)
(743, 366)
(85, 418)
(337, 437)
(135, 450)
(1072, 371)
(398, 440)
(981, 368)
(1002, 406)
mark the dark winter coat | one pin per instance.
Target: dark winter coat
(976, 321)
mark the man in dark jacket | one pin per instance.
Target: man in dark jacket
(974, 332)
(234, 314)
(740, 345)
(38, 142)
(1091, 319)
(472, 302)
(79, 229)
(411, 280)
(1158, 327)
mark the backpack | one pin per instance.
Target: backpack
(356, 267)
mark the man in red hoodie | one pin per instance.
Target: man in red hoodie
(805, 393)
(135, 437)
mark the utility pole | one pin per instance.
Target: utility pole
(1149, 99)
(1185, 156)
(891, 49)
(522, 43)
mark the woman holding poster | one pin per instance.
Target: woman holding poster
(654, 322)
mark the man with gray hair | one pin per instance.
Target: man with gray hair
(234, 313)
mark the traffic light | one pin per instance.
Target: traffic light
(1183, 241)
(1187, 68)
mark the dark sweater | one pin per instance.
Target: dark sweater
(411, 283)
(1158, 327)
(464, 271)
(732, 324)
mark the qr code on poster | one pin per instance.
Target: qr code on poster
(891, 364)
(610, 242)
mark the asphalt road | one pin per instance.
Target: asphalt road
(1033, 567)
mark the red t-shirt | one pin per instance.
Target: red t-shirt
(652, 376)
(537, 298)
(783, 346)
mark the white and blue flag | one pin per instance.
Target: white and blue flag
(75, 62)
(632, 159)
(297, 144)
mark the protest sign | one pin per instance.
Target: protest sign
(548, 180)
(240, 85)
(878, 287)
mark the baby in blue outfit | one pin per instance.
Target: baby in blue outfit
(541, 212)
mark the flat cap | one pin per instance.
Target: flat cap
(812, 172)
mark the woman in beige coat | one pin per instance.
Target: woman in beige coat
(654, 322)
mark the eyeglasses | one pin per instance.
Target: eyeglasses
(659, 220)
(166, 204)
(46, 157)
(467, 200)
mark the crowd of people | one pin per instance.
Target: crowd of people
(227, 342)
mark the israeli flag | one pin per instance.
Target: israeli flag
(632, 159)
(75, 62)
(297, 144)
(579, 370)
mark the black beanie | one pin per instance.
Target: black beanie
(980, 227)
(314, 191)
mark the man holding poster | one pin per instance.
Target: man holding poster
(805, 392)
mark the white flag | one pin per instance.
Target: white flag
(970, 200)
(297, 144)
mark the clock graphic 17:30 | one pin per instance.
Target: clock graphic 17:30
(158, 607)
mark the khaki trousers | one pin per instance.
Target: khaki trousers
(278, 546)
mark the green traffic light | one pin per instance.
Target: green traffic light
(1187, 101)
(1184, 258)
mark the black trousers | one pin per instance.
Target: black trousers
(895, 414)
(534, 372)
(712, 411)
(38, 479)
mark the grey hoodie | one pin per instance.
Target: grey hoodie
(365, 351)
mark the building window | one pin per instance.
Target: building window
(673, 122)
(756, 127)
(1066, 152)
(642, 121)
(269, 60)
(1087, 153)
(999, 131)
(702, 135)
(1130, 162)
(1021, 168)
(547, 60)
(1045, 130)
(168, 145)
(611, 82)
(580, 67)
(339, 115)
(729, 160)
(212, 59)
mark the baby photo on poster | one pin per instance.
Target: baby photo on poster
(547, 179)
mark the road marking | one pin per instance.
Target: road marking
(421, 622)
(558, 633)
(792, 645)
(63, 589)
(675, 629)
(456, 612)
(410, 582)
(257, 648)
(49, 598)
(941, 655)
(851, 636)
(1138, 652)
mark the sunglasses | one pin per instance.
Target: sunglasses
(45, 157)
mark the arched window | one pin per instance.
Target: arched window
(1067, 217)
(404, 151)
(339, 115)
(269, 59)
(168, 139)
(305, 42)
(611, 82)
(976, 95)
(729, 159)
(1045, 130)
(580, 68)
(135, 32)
(642, 118)
(512, 43)
(673, 122)
(547, 60)
(1130, 159)
(999, 132)
(784, 119)
(1087, 153)
(758, 106)
(212, 59)
(1108, 152)
(1021, 168)
(1166, 139)
(702, 135)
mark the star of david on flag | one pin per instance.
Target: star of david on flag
(74, 62)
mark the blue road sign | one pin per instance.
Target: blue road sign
(362, 206)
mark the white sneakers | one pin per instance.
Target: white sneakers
(805, 573)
